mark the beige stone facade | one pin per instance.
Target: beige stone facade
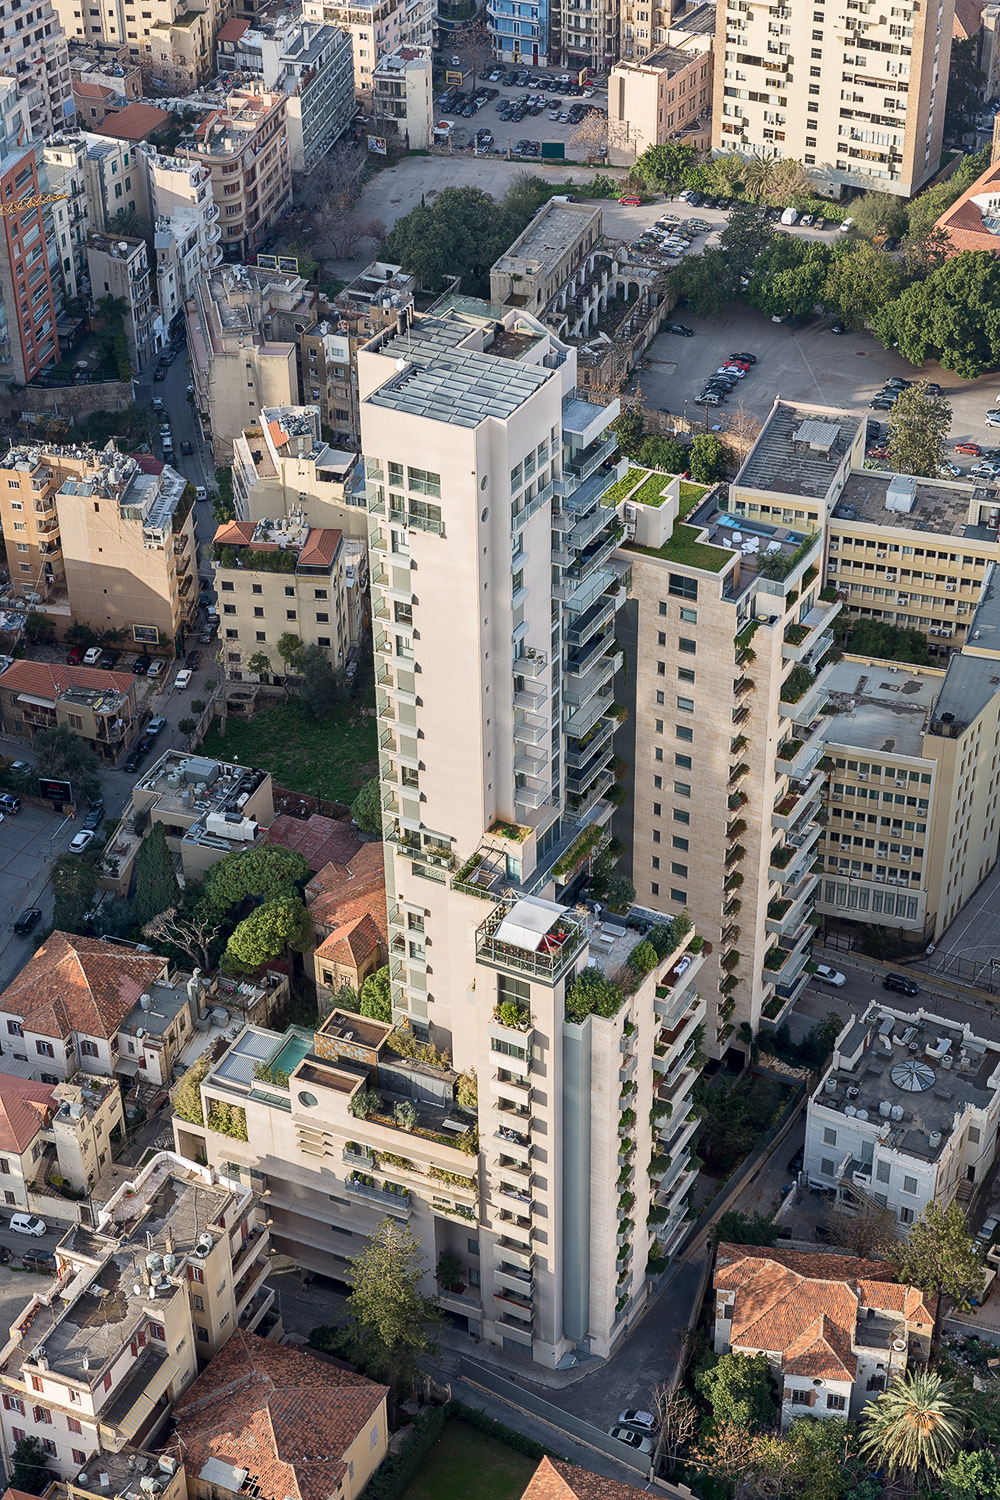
(172, 42)
(665, 95)
(858, 97)
(402, 96)
(377, 28)
(283, 468)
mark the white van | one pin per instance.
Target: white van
(846, 225)
(790, 216)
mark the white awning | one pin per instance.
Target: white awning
(528, 921)
(36, 702)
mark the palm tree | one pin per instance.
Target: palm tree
(757, 178)
(917, 1423)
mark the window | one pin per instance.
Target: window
(677, 842)
(472, 1246)
(683, 761)
(685, 705)
(373, 1437)
(682, 788)
(679, 896)
(800, 1398)
(50, 1446)
(76, 1398)
(18, 1434)
(684, 644)
(42, 1414)
(909, 1184)
(44, 1049)
(289, 614)
(156, 1331)
(79, 1457)
(90, 1049)
(685, 674)
(13, 1403)
(195, 1273)
(681, 587)
(681, 815)
(973, 1135)
(681, 870)
(73, 1424)
(906, 1215)
(827, 1167)
(836, 1403)
(689, 616)
(683, 732)
(199, 1303)
(829, 1136)
(202, 1335)
(882, 1171)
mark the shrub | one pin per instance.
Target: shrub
(593, 993)
(405, 1114)
(643, 957)
(366, 1102)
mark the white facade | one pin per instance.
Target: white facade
(906, 1114)
(186, 232)
(64, 156)
(314, 65)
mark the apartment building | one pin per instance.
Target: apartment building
(120, 1475)
(115, 179)
(175, 45)
(28, 337)
(208, 809)
(98, 706)
(64, 158)
(906, 1114)
(526, 35)
(36, 59)
(62, 1129)
(856, 94)
(312, 63)
(328, 349)
(402, 99)
(179, 1255)
(376, 28)
(285, 577)
(836, 1330)
(119, 268)
(664, 94)
(186, 231)
(102, 77)
(243, 324)
(242, 138)
(282, 467)
(104, 542)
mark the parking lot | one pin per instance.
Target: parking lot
(533, 126)
(28, 844)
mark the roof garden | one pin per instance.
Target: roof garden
(685, 546)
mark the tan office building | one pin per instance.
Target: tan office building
(858, 96)
(665, 94)
(283, 468)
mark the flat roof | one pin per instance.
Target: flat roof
(553, 230)
(779, 463)
(886, 707)
(972, 680)
(937, 506)
(457, 386)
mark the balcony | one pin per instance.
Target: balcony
(789, 862)
(532, 664)
(512, 1305)
(584, 461)
(257, 1309)
(797, 801)
(798, 756)
(518, 1332)
(785, 912)
(397, 1202)
(783, 963)
(802, 639)
(801, 700)
(514, 1280)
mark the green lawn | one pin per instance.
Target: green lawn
(332, 758)
(467, 1465)
(683, 547)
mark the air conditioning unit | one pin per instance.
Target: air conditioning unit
(879, 877)
(862, 776)
(890, 577)
(901, 782)
(944, 632)
(881, 554)
(904, 859)
(902, 598)
(934, 630)
(892, 669)
(843, 870)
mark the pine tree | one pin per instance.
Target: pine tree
(156, 884)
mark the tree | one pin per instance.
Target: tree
(462, 233)
(738, 1388)
(29, 1467)
(860, 283)
(798, 289)
(664, 453)
(620, 893)
(375, 999)
(39, 628)
(928, 206)
(290, 648)
(156, 886)
(678, 1424)
(63, 755)
(870, 1233)
(265, 934)
(708, 458)
(270, 873)
(972, 1476)
(391, 1314)
(187, 726)
(940, 1255)
(914, 1425)
(323, 686)
(879, 216)
(953, 315)
(366, 809)
(919, 424)
(706, 280)
(259, 664)
(194, 934)
(664, 168)
(738, 1228)
(448, 1271)
(74, 885)
(628, 428)
(887, 642)
(591, 137)
(742, 431)
(745, 237)
(965, 84)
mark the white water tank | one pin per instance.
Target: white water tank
(885, 1109)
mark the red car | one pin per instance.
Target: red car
(74, 656)
(631, 202)
(973, 449)
(738, 364)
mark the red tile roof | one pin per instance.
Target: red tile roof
(235, 533)
(968, 18)
(963, 221)
(133, 123)
(44, 679)
(79, 984)
(232, 31)
(93, 90)
(148, 464)
(320, 840)
(321, 547)
(347, 904)
(278, 434)
(285, 1415)
(23, 1109)
(553, 1480)
(804, 1306)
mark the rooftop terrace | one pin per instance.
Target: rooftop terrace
(800, 450)
(552, 232)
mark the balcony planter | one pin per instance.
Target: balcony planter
(795, 634)
(782, 858)
(627, 1120)
(727, 985)
(626, 1203)
(732, 908)
(736, 828)
(775, 958)
(738, 772)
(730, 960)
(734, 881)
(738, 745)
(790, 749)
(734, 855)
(736, 801)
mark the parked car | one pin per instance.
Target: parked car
(795, 1161)
(10, 805)
(141, 665)
(157, 668)
(81, 841)
(92, 656)
(183, 678)
(160, 373)
(132, 760)
(145, 745)
(632, 1440)
(826, 975)
(27, 1224)
(993, 419)
(28, 920)
(896, 382)
(989, 1229)
(186, 448)
(108, 659)
(902, 983)
(751, 359)
(972, 449)
(155, 727)
(642, 1422)
(679, 328)
(95, 817)
(74, 656)
(837, 328)
(630, 201)
(39, 1260)
(157, 404)
(200, 492)
(192, 660)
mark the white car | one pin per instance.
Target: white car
(829, 976)
(80, 841)
(732, 370)
(27, 1224)
(989, 1229)
(157, 669)
(183, 678)
(632, 1439)
(92, 656)
(951, 469)
(642, 1422)
(993, 419)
